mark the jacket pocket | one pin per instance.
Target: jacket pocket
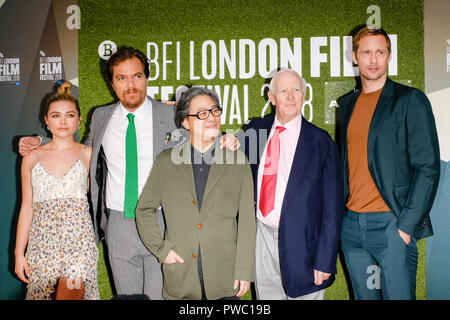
(172, 277)
(401, 193)
(226, 202)
(389, 128)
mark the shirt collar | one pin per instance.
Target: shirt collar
(206, 157)
(292, 126)
(140, 113)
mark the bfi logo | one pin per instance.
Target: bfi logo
(106, 49)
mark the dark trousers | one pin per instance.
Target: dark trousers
(380, 264)
(202, 284)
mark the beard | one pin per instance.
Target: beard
(134, 101)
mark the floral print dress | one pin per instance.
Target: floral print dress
(61, 240)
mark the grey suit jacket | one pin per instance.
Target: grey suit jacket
(163, 123)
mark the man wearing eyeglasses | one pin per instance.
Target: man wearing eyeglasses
(206, 194)
(298, 193)
(126, 137)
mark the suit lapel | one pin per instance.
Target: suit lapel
(98, 175)
(100, 128)
(221, 157)
(104, 121)
(160, 129)
(217, 167)
(263, 133)
(185, 167)
(346, 120)
(299, 164)
(384, 103)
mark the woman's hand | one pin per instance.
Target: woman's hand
(21, 269)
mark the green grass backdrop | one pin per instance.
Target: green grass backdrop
(135, 23)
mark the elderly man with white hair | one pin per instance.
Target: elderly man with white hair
(298, 197)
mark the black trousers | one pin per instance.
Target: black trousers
(202, 285)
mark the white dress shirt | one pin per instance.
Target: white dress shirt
(288, 145)
(114, 148)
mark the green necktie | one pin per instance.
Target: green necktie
(131, 172)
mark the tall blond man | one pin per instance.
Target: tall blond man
(390, 162)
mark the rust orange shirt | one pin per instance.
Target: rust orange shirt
(364, 195)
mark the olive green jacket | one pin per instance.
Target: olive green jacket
(224, 228)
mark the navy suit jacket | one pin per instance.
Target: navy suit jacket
(312, 210)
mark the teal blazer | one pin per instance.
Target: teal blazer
(402, 152)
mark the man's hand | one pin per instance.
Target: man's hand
(406, 237)
(170, 103)
(173, 257)
(230, 142)
(26, 144)
(243, 287)
(320, 277)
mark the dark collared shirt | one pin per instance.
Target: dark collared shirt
(201, 163)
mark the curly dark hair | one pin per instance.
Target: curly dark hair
(125, 53)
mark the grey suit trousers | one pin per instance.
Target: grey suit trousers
(268, 282)
(135, 269)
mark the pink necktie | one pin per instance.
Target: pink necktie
(269, 180)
